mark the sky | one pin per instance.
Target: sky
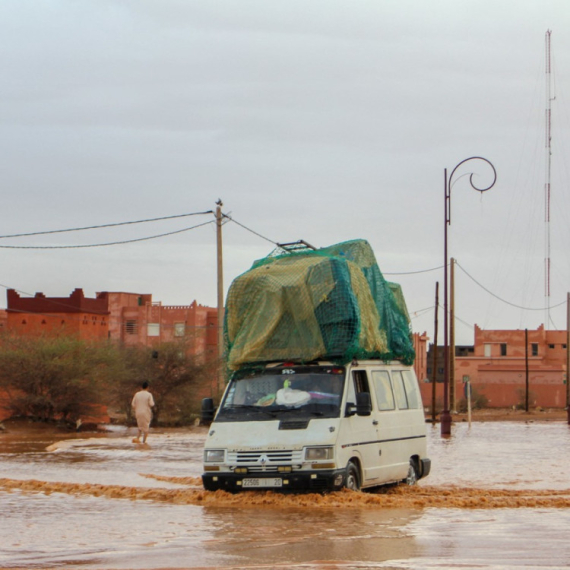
(320, 120)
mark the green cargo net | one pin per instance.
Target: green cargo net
(327, 304)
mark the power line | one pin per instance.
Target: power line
(503, 300)
(420, 312)
(107, 225)
(415, 272)
(250, 230)
(104, 244)
(229, 218)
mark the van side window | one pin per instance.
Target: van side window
(399, 390)
(360, 380)
(383, 389)
(412, 389)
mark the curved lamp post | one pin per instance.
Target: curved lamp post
(445, 417)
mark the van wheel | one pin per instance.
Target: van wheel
(412, 477)
(352, 477)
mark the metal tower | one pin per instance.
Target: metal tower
(548, 140)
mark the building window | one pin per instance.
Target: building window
(488, 351)
(503, 349)
(550, 346)
(131, 327)
(179, 329)
(534, 349)
(153, 329)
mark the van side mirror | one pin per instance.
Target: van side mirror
(208, 411)
(363, 406)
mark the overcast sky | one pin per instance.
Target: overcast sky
(322, 120)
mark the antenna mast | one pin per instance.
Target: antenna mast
(548, 139)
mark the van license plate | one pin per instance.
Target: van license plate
(276, 482)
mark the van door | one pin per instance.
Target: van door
(361, 437)
(393, 424)
(389, 426)
(411, 420)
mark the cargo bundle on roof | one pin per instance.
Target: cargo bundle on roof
(327, 304)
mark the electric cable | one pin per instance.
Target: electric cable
(503, 300)
(250, 230)
(105, 244)
(415, 272)
(107, 225)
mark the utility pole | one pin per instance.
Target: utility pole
(452, 391)
(220, 272)
(526, 383)
(434, 370)
(568, 356)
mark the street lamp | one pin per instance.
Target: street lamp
(445, 415)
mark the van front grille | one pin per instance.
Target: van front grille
(265, 459)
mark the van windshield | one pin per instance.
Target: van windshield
(299, 391)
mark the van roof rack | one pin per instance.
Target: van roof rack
(296, 246)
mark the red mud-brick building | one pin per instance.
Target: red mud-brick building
(128, 318)
(75, 315)
(496, 367)
(420, 347)
(136, 319)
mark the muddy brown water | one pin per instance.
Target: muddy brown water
(498, 497)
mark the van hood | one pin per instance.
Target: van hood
(249, 436)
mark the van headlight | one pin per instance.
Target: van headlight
(214, 455)
(319, 453)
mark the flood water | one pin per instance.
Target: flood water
(498, 498)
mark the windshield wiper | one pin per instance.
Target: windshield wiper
(249, 407)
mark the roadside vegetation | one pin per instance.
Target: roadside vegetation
(63, 379)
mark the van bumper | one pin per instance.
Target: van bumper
(315, 481)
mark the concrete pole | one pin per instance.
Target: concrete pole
(219, 205)
(445, 416)
(526, 383)
(568, 356)
(434, 367)
(452, 391)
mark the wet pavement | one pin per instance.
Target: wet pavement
(498, 497)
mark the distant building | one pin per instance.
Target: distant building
(129, 318)
(496, 368)
(439, 361)
(74, 315)
(421, 362)
(136, 319)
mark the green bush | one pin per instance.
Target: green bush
(64, 378)
(52, 378)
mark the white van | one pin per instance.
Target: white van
(317, 427)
